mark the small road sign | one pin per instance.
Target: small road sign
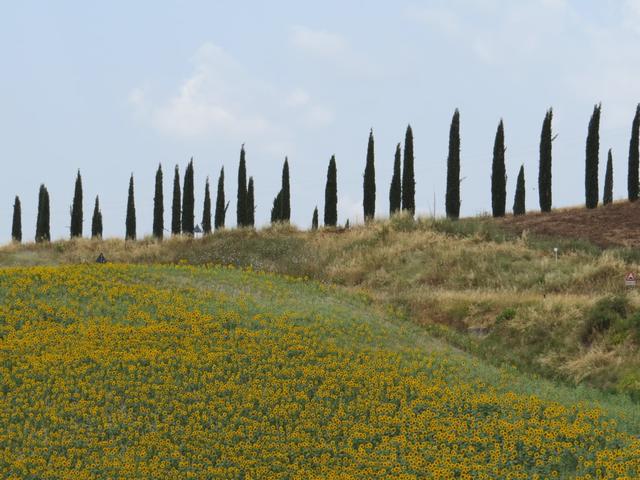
(630, 279)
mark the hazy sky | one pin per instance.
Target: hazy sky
(117, 87)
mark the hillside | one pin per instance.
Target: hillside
(116, 371)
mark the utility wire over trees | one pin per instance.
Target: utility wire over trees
(331, 195)
(188, 201)
(452, 199)
(395, 189)
(592, 159)
(632, 176)
(16, 224)
(498, 174)
(176, 217)
(158, 206)
(519, 199)
(206, 210)
(221, 206)
(76, 209)
(408, 176)
(607, 196)
(130, 222)
(544, 172)
(241, 205)
(369, 182)
(96, 220)
(43, 231)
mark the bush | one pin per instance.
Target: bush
(602, 315)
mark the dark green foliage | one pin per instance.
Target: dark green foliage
(176, 217)
(331, 195)
(395, 190)
(452, 199)
(251, 207)
(76, 209)
(276, 209)
(346, 224)
(188, 201)
(16, 225)
(632, 177)
(96, 221)
(43, 232)
(130, 223)
(592, 160)
(285, 210)
(158, 206)
(607, 196)
(603, 315)
(519, 200)
(206, 210)
(408, 176)
(241, 206)
(544, 172)
(369, 183)
(221, 206)
(498, 175)
(314, 219)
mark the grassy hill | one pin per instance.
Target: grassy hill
(182, 372)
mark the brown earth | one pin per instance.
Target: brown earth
(614, 225)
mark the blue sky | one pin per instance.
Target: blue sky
(115, 88)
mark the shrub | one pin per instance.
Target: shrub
(603, 315)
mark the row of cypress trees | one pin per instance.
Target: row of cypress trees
(401, 190)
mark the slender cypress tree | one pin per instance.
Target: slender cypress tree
(241, 205)
(519, 200)
(285, 215)
(369, 183)
(498, 174)
(206, 210)
(408, 177)
(276, 209)
(221, 206)
(76, 209)
(395, 190)
(544, 171)
(188, 201)
(452, 199)
(331, 195)
(96, 220)
(176, 217)
(607, 197)
(130, 233)
(634, 154)
(314, 219)
(43, 232)
(158, 206)
(251, 207)
(16, 225)
(592, 160)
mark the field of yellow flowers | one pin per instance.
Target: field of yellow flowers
(115, 371)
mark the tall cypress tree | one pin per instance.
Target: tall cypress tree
(96, 220)
(16, 225)
(285, 215)
(498, 175)
(519, 200)
(276, 209)
(592, 159)
(369, 182)
(314, 219)
(251, 207)
(607, 197)
(158, 206)
(544, 171)
(188, 201)
(408, 177)
(221, 206)
(331, 195)
(241, 205)
(176, 217)
(76, 209)
(130, 222)
(206, 210)
(395, 190)
(452, 198)
(43, 232)
(634, 154)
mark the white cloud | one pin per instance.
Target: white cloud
(318, 42)
(441, 18)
